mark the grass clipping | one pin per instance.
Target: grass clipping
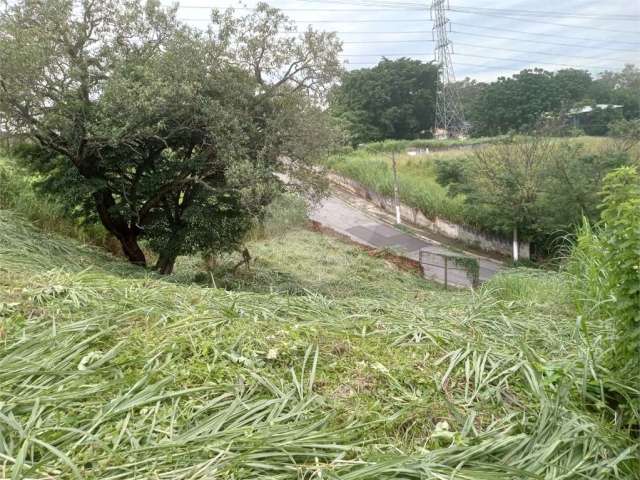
(112, 373)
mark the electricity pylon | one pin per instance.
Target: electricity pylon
(449, 115)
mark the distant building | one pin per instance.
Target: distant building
(584, 117)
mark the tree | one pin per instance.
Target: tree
(620, 88)
(395, 99)
(542, 187)
(518, 103)
(504, 185)
(471, 94)
(164, 132)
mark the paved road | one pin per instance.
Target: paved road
(365, 229)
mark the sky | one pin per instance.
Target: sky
(489, 38)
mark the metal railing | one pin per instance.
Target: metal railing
(445, 268)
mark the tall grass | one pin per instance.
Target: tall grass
(417, 184)
(18, 194)
(400, 145)
(113, 373)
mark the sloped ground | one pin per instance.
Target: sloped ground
(324, 362)
(352, 221)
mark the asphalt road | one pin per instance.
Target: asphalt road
(363, 228)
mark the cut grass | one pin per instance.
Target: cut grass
(110, 372)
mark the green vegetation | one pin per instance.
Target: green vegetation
(606, 263)
(395, 99)
(522, 102)
(18, 194)
(158, 131)
(501, 184)
(321, 360)
(388, 146)
(299, 357)
(416, 177)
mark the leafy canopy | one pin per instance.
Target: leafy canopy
(521, 102)
(161, 131)
(393, 100)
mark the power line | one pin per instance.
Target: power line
(392, 6)
(332, 10)
(544, 42)
(377, 20)
(541, 22)
(505, 49)
(515, 60)
(388, 42)
(510, 60)
(423, 32)
(418, 7)
(545, 34)
(482, 66)
(542, 13)
(527, 51)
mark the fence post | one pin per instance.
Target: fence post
(396, 193)
(446, 272)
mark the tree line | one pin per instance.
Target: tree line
(396, 100)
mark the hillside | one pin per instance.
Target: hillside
(322, 362)
(418, 186)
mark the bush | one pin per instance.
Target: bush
(621, 242)
(287, 212)
(17, 193)
(451, 173)
(606, 266)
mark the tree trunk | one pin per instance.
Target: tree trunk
(165, 264)
(132, 250)
(118, 226)
(516, 245)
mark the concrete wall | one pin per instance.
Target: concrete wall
(484, 241)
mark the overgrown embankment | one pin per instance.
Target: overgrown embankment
(498, 185)
(323, 361)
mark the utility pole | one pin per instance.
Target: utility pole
(396, 190)
(449, 115)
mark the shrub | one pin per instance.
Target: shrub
(287, 212)
(621, 250)
(606, 265)
(17, 193)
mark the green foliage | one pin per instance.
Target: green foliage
(519, 183)
(388, 146)
(518, 103)
(364, 371)
(162, 132)
(19, 192)
(521, 102)
(574, 178)
(417, 184)
(600, 119)
(452, 173)
(619, 88)
(605, 263)
(503, 184)
(287, 212)
(470, 265)
(393, 100)
(621, 242)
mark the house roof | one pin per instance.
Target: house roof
(589, 109)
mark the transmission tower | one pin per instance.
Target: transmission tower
(449, 115)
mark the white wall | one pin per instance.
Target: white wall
(484, 241)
